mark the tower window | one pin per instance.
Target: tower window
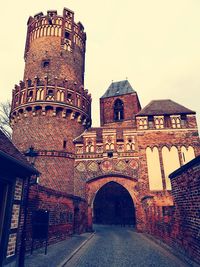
(50, 92)
(67, 35)
(69, 95)
(29, 82)
(50, 21)
(64, 144)
(45, 63)
(110, 154)
(118, 110)
(30, 93)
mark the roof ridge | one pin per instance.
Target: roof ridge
(168, 106)
(118, 88)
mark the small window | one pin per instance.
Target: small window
(50, 21)
(30, 93)
(69, 95)
(176, 121)
(45, 63)
(118, 110)
(50, 92)
(110, 154)
(67, 35)
(64, 144)
(29, 82)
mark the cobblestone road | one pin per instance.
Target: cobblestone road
(113, 246)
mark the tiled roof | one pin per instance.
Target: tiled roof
(164, 107)
(118, 88)
(8, 148)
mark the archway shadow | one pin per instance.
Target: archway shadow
(113, 205)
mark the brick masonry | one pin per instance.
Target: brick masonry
(51, 111)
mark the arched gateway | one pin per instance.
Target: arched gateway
(113, 205)
(112, 200)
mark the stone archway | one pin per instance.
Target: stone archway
(113, 205)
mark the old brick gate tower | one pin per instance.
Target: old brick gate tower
(110, 174)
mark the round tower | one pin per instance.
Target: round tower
(50, 107)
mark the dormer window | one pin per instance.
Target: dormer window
(118, 110)
(176, 121)
(142, 123)
(159, 122)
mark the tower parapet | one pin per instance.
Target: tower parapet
(67, 97)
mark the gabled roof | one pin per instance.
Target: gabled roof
(9, 152)
(118, 88)
(164, 107)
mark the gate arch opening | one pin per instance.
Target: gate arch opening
(113, 205)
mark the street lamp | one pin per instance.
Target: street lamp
(31, 155)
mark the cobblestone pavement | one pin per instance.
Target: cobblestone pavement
(114, 246)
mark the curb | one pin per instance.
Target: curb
(173, 250)
(62, 264)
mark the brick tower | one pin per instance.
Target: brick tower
(50, 107)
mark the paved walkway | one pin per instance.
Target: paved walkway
(113, 246)
(110, 246)
(56, 253)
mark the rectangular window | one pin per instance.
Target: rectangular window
(159, 122)
(176, 121)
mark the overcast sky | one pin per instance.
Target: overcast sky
(153, 43)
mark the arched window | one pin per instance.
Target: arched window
(170, 163)
(118, 110)
(154, 171)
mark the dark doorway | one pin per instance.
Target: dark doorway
(3, 202)
(113, 205)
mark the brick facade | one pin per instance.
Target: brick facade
(51, 111)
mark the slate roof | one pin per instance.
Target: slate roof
(7, 149)
(118, 88)
(164, 107)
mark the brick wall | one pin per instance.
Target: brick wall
(61, 209)
(177, 223)
(186, 193)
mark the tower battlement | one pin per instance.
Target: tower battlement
(64, 27)
(67, 97)
(55, 47)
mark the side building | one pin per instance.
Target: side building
(15, 171)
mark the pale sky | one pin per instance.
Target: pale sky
(153, 43)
